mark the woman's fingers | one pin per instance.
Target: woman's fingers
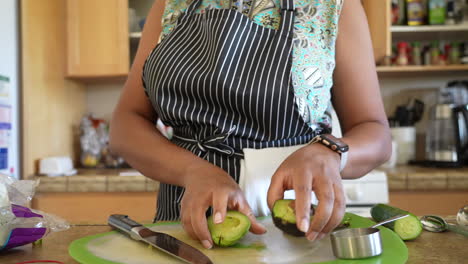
(186, 219)
(326, 197)
(244, 208)
(303, 189)
(220, 203)
(276, 189)
(200, 226)
(338, 210)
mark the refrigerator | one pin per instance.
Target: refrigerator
(9, 88)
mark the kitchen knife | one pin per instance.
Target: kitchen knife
(162, 241)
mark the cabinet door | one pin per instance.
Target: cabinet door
(97, 38)
(379, 17)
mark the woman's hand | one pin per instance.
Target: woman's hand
(313, 167)
(211, 186)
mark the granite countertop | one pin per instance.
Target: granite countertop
(414, 178)
(98, 180)
(402, 178)
(437, 248)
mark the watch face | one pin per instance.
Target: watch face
(334, 143)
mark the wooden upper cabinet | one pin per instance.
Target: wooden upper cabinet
(379, 17)
(97, 38)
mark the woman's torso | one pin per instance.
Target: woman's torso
(315, 32)
(224, 83)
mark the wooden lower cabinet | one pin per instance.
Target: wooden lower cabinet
(430, 202)
(95, 208)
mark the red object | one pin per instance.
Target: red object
(403, 45)
(402, 56)
(447, 49)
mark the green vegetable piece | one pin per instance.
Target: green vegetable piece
(231, 230)
(407, 228)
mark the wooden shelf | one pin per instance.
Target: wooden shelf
(402, 69)
(435, 28)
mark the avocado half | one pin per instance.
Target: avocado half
(284, 217)
(231, 230)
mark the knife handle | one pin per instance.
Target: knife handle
(123, 222)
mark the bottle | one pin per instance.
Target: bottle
(437, 11)
(454, 54)
(442, 60)
(465, 11)
(415, 10)
(395, 12)
(402, 57)
(464, 58)
(427, 55)
(435, 53)
(451, 13)
(417, 53)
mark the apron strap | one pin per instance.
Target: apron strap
(287, 5)
(192, 7)
(287, 17)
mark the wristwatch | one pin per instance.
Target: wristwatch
(334, 144)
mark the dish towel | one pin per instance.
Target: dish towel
(257, 168)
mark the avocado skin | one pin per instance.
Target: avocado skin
(290, 228)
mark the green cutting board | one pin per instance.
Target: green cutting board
(272, 247)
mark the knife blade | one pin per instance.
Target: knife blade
(161, 241)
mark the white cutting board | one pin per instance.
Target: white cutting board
(272, 247)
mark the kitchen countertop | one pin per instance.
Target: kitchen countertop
(401, 178)
(428, 248)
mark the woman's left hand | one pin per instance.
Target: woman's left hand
(311, 168)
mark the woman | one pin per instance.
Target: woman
(228, 76)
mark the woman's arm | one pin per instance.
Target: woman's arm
(358, 103)
(133, 136)
(356, 95)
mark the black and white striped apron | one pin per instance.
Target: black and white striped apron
(223, 83)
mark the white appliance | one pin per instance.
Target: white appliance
(9, 88)
(361, 194)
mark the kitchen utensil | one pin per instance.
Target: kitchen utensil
(159, 240)
(447, 135)
(356, 243)
(409, 114)
(462, 216)
(433, 223)
(271, 247)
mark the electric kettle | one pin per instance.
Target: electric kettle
(447, 135)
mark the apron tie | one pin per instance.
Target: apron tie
(214, 142)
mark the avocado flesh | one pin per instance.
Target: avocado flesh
(284, 217)
(231, 230)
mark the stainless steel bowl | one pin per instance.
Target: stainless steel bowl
(358, 243)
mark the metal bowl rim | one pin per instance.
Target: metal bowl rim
(337, 235)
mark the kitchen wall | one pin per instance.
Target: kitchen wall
(52, 105)
(102, 98)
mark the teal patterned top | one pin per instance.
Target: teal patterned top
(315, 32)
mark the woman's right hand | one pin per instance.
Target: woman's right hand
(211, 186)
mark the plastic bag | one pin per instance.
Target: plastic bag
(20, 225)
